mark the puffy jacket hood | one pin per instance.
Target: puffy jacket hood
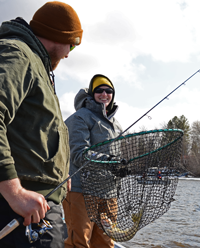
(81, 98)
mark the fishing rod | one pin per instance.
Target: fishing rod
(161, 101)
(16, 222)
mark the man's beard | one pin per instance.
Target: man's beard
(54, 64)
(54, 58)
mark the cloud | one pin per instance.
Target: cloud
(170, 34)
(67, 104)
(180, 103)
(145, 47)
(116, 36)
(11, 9)
(114, 29)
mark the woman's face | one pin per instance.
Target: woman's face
(103, 97)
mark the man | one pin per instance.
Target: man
(34, 151)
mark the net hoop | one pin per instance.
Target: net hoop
(107, 142)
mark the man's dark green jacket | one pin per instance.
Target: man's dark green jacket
(33, 136)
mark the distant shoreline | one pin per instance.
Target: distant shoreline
(189, 178)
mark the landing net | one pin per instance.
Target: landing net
(130, 181)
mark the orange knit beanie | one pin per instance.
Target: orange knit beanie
(57, 21)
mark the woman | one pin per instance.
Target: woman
(93, 122)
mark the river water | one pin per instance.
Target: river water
(179, 227)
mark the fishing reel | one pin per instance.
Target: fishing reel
(36, 234)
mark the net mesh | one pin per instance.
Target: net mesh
(129, 182)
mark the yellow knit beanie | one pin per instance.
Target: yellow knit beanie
(100, 81)
(57, 21)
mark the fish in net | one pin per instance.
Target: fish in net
(130, 181)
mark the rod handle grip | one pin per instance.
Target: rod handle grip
(10, 227)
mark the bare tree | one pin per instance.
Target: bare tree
(194, 156)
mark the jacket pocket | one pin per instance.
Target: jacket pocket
(57, 167)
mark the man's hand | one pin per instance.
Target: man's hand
(28, 204)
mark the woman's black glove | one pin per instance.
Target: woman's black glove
(119, 170)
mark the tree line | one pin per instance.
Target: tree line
(191, 142)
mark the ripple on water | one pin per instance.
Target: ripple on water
(179, 227)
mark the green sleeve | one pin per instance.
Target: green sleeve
(14, 86)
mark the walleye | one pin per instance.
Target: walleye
(118, 234)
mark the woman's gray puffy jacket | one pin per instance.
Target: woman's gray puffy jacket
(88, 126)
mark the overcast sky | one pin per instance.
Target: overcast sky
(146, 47)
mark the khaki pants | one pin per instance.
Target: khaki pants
(81, 231)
